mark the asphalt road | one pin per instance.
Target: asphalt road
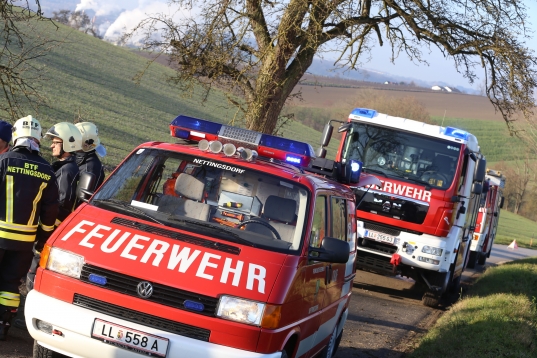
(386, 314)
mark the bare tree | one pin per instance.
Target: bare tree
(21, 45)
(261, 48)
(521, 176)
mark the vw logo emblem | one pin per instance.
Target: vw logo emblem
(144, 289)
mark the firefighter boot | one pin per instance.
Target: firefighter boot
(5, 320)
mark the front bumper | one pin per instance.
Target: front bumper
(409, 248)
(76, 324)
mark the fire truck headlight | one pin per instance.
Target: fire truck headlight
(432, 250)
(240, 310)
(65, 262)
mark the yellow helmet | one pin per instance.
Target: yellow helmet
(27, 127)
(68, 133)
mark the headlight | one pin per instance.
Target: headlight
(240, 310)
(65, 262)
(432, 250)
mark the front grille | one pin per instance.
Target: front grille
(381, 228)
(377, 246)
(142, 318)
(373, 262)
(162, 294)
(177, 236)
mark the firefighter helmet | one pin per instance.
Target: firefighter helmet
(27, 127)
(68, 133)
(90, 135)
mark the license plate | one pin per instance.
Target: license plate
(379, 237)
(128, 338)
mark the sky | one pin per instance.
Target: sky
(440, 69)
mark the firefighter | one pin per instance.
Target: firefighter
(87, 159)
(28, 210)
(5, 136)
(66, 141)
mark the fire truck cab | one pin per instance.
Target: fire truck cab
(487, 220)
(420, 223)
(219, 245)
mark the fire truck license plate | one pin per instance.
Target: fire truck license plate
(131, 339)
(379, 237)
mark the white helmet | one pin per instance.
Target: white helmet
(68, 133)
(90, 138)
(27, 127)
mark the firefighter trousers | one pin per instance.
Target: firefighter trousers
(14, 266)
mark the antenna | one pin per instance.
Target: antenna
(443, 118)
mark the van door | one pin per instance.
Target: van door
(314, 280)
(339, 276)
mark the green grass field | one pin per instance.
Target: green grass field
(94, 79)
(515, 227)
(498, 317)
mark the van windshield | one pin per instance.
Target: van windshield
(209, 198)
(403, 155)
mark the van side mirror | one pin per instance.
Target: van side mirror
(477, 188)
(331, 250)
(480, 170)
(85, 187)
(501, 202)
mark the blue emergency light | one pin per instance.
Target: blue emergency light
(265, 145)
(195, 306)
(456, 133)
(98, 279)
(364, 112)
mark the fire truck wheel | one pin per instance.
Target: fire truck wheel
(42, 352)
(430, 299)
(472, 260)
(330, 350)
(482, 258)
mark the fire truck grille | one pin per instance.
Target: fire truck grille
(162, 294)
(381, 228)
(375, 263)
(177, 236)
(377, 246)
(142, 318)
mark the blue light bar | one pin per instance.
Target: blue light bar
(292, 159)
(364, 112)
(196, 124)
(456, 133)
(100, 280)
(287, 145)
(195, 306)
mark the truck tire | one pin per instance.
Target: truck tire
(430, 299)
(472, 260)
(483, 258)
(42, 352)
(330, 350)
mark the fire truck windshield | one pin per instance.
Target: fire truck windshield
(403, 155)
(211, 198)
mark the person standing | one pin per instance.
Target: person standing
(28, 210)
(5, 136)
(66, 141)
(87, 159)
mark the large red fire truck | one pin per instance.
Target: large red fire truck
(488, 217)
(420, 223)
(220, 245)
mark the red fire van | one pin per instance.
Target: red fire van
(220, 245)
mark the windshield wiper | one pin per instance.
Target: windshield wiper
(220, 230)
(131, 208)
(419, 181)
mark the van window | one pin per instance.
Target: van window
(339, 218)
(210, 198)
(318, 229)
